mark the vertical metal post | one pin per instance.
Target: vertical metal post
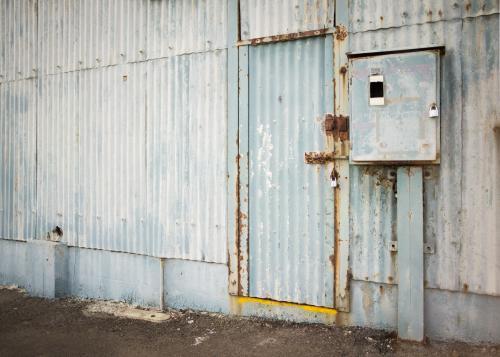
(341, 148)
(232, 147)
(410, 253)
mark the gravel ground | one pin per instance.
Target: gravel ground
(39, 327)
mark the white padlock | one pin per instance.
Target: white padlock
(334, 182)
(433, 111)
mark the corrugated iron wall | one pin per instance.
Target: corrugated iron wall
(462, 194)
(132, 156)
(18, 103)
(129, 103)
(260, 18)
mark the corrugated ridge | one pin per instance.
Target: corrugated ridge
(291, 239)
(369, 15)
(260, 18)
(17, 155)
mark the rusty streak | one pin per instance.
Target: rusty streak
(314, 157)
(285, 37)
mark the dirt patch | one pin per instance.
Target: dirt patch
(32, 326)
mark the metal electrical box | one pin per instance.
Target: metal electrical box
(394, 98)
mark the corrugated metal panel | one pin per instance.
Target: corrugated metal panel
(90, 33)
(18, 39)
(376, 14)
(260, 18)
(460, 208)
(373, 224)
(186, 151)
(291, 202)
(93, 33)
(480, 246)
(91, 158)
(17, 155)
(177, 27)
(132, 157)
(444, 219)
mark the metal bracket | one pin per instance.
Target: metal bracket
(314, 157)
(337, 126)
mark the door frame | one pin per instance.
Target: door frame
(238, 161)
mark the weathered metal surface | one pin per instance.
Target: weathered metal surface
(371, 15)
(18, 105)
(264, 18)
(337, 126)
(233, 155)
(373, 224)
(285, 37)
(401, 129)
(291, 203)
(479, 252)
(75, 35)
(186, 155)
(18, 39)
(341, 146)
(129, 157)
(410, 253)
(243, 199)
(314, 157)
(468, 92)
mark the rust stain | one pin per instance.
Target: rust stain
(318, 157)
(467, 6)
(466, 288)
(340, 32)
(337, 126)
(336, 230)
(286, 37)
(440, 13)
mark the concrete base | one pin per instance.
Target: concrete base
(47, 269)
(53, 270)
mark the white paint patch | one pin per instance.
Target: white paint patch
(122, 310)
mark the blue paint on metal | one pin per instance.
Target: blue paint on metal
(291, 203)
(410, 253)
(400, 129)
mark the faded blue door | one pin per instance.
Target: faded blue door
(291, 235)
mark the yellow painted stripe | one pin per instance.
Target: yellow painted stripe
(310, 308)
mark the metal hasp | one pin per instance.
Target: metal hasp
(395, 106)
(337, 126)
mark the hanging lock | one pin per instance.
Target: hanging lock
(333, 178)
(433, 111)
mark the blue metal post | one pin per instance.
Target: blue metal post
(410, 254)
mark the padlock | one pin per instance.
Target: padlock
(433, 111)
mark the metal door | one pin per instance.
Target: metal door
(291, 221)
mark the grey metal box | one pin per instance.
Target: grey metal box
(394, 100)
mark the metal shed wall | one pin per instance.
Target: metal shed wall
(462, 194)
(263, 18)
(126, 114)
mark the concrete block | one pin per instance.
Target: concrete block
(196, 285)
(46, 268)
(12, 262)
